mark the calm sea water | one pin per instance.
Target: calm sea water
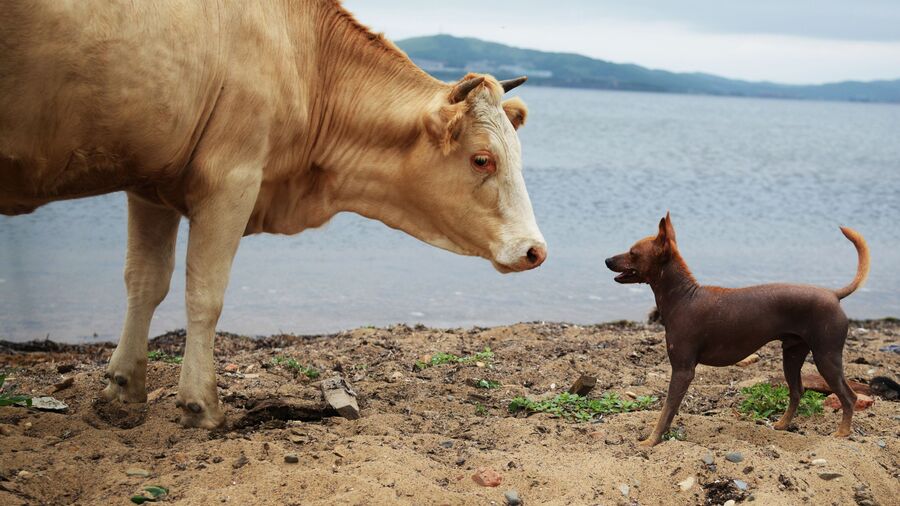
(757, 189)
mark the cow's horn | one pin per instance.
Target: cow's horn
(512, 83)
(461, 90)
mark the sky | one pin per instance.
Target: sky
(788, 41)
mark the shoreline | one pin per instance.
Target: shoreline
(425, 432)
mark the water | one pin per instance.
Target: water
(757, 189)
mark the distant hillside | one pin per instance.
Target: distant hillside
(448, 58)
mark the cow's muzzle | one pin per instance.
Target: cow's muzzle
(525, 255)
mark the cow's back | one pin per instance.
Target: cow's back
(97, 96)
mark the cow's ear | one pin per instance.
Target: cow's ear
(516, 111)
(445, 125)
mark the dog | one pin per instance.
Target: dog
(720, 326)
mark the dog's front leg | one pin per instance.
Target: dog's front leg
(678, 385)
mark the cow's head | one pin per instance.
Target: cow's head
(470, 190)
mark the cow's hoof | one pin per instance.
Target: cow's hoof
(841, 433)
(196, 414)
(123, 389)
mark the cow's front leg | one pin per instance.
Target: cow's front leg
(148, 269)
(217, 223)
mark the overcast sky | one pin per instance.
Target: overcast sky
(791, 41)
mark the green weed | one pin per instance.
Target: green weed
(8, 400)
(762, 401)
(155, 493)
(161, 356)
(296, 367)
(486, 383)
(581, 409)
(441, 358)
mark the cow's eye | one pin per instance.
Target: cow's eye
(483, 162)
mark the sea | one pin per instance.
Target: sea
(757, 190)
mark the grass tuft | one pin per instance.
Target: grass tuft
(486, 383)
(8, 400)
(296, 367)
(763, 401)
(441, 358)
(161, 356)
(581, 409)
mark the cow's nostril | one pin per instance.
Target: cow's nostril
(535, 256)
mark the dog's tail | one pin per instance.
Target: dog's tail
(862, 269)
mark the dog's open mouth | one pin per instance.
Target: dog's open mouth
(627, 276)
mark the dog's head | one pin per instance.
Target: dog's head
(645, 260)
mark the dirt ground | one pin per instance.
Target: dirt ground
(423, 434)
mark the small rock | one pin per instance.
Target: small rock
(251, 376)
(687, 483)
(729, 502)
(5, 430)
(49, 404)
(734, 457)
(240, 462)
(829, 476)
(479, 364)
(624, 489)
(340, 395)
(396, 376)
(819, 462)
(460, 461)
(217, 459)
(863, 401)
(487, 477)
(24, 475)
(137, 471)
(881, 443)
(64, 384)
(752, 359)
(231, 368)
(512, 498)
(291, 458)
(741, 485)
(583, 385)
(708, 459)
(446, 444)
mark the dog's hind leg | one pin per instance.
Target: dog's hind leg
(794, 353)
(831, 366)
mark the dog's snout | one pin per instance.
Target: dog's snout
(609, 263)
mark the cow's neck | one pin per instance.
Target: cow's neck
(370, 110)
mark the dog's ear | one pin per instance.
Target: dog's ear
(670, 230)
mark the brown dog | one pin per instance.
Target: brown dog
(720, 326)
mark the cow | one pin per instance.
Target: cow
(246, 118)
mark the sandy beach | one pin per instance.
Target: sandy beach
(424, 432)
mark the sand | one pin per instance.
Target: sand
(424, 434)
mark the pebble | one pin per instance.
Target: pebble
(819, 462)
(24, 475)
(708, 459)
(829, 476)
(729, 502)
(137, 471)
(687, 483)
(291, 458)
(487, 477)
(741, 484)
(231, 368)
(881, 443)
(240, 462)
(446, 444)
(624, 489)
(734, 457)
(512, 498)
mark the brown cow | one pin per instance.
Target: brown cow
(246, 118)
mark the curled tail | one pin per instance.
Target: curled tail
(862, 269)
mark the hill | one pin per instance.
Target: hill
(448, 58)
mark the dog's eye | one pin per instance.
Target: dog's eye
(483, 162)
